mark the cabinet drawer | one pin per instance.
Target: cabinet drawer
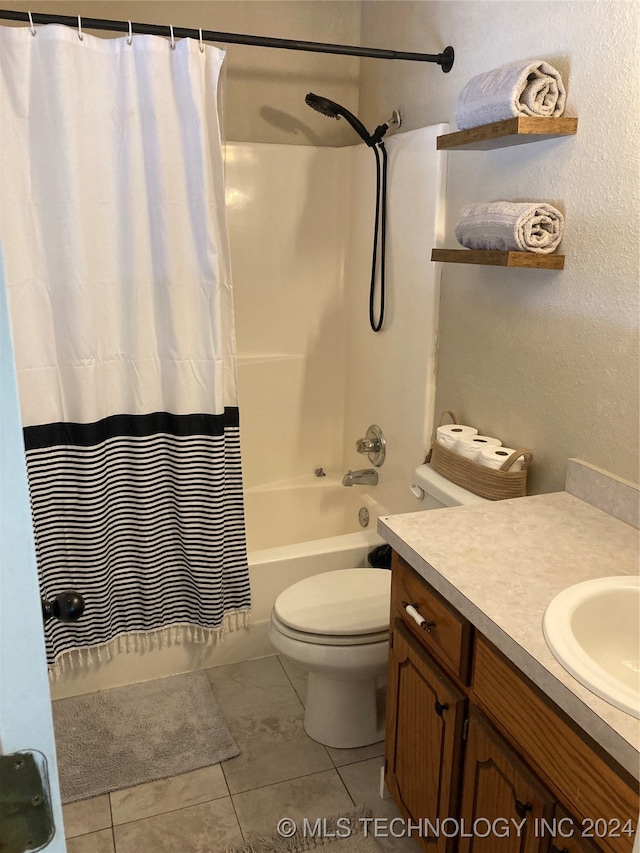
(578, 773)
(449, 634)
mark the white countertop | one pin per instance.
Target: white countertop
(501, 563)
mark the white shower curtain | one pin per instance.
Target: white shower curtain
(112, 223)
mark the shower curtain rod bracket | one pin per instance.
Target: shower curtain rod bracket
(444, 59)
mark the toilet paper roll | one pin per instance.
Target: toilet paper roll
(448, 441)
(449, 434)
(471, 446)
(495, 457)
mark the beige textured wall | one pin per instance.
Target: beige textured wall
(265, 88)
(542, 359)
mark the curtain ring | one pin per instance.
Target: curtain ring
(130, 36)
(80, 36)
(31, 26)
(173, 41)
(201, 42)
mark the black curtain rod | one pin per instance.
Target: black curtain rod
(444, 59)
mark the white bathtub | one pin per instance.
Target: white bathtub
(303, 528)
(305, 510)
(294, 530)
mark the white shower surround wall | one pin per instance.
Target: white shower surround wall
(312, 375)
(390, 376)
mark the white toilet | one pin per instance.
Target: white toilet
(335, 625)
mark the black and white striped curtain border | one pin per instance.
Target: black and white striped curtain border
(148, 527)
(134, 426)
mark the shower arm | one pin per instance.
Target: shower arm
(378, 134)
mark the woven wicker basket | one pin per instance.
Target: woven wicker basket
(496, 485)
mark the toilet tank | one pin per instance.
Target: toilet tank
(435, 491)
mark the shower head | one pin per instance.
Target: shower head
(332, 110)
(323, 105)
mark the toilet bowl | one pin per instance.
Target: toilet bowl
(335, 625)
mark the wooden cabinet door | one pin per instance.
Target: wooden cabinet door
(498, 794)
(425, 718)
(568, 835)
(573, 845)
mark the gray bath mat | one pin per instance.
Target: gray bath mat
(123, 737)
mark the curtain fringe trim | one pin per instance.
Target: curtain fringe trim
(147, 641)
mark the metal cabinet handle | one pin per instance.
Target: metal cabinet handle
(421, 622)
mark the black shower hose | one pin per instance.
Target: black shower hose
(379, 229)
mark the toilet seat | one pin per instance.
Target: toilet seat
(329, 639)
(342, 607)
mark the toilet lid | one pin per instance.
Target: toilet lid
(346, 601)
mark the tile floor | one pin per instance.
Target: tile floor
(280, 772)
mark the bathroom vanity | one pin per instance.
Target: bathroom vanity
(488, 736)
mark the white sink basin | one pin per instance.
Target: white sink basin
(592, 628)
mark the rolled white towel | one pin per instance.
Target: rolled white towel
(510, 226)
(517, 88)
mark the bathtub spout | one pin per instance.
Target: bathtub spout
(364, 477)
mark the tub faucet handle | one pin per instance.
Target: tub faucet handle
(368, 445)
(373, 445)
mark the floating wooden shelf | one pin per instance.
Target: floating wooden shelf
(512, 131)
(532, 260)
